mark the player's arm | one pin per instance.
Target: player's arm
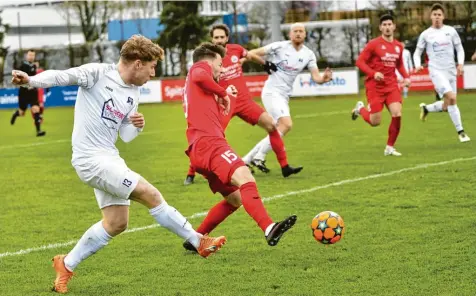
(206, 82)
(258, 54)
(361, 63)
(473, 58)
(131, 126)
(315, 75)
(418, 51)
(459, 52)
(252, 57)
(85, 76)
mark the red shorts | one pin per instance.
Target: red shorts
(248, 110)
(377, 99)
(216, 161)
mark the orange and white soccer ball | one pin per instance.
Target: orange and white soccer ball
(328, 227)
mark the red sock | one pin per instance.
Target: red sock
(394, 130)
(365, 114)
(215, 216)
(254, 205)
(191, 171)
(278, 147)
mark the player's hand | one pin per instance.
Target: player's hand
(327, 75)
(231, 90)
(378, 76)
(459, 70)
(224, 104)
(418, 69)
(407, 82)
(20, 77)
(137, 120)
(270, 67)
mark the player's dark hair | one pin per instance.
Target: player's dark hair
(220, 27)
(437, 6)
(386, 17)
(31, 50)
(208, 50)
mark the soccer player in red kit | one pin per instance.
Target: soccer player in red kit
(378, 60)
(206, 105)
(244, 106)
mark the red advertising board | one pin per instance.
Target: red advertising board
(172, 89)
(422, 81)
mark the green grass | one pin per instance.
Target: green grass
(411, 233)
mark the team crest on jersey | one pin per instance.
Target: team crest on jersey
(397, 49)
(234, 59)
(383, 47)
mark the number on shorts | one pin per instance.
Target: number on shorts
(127, 183)
(229, 156)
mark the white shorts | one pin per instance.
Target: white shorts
(112, 180)
(275, 103)
(444, 81)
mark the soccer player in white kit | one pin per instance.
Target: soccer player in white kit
(408, 64)
(440, 41)
(291, 58)
(106, 106)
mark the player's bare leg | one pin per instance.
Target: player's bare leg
(115, 220)
(373, 119)
(253, 205)
(395, 110)
(189, 180)
(277, 144)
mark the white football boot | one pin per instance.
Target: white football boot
(355, 112)
(463, 137)
(389, 150)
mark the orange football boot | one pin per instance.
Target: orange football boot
(210, 245)
(63, 275)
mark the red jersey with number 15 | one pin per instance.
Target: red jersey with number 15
(382, 56)
(201, 109)
(233, 71)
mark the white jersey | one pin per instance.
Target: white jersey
(440, 45)
(102, 108)
(407, 60)
(289, 62)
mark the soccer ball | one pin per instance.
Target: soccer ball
(327, 227)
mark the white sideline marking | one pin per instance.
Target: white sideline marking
(201, 214)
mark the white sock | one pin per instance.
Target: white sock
(171, 219)
(405, 92)
(94, 239)
(453, 111)
(249, 157)
(435, 107)
(268, 229)
(265, 148)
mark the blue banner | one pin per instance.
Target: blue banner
(54, 97)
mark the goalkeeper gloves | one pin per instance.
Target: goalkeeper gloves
(270, 67)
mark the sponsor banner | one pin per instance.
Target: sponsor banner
(343, 82)
(469, 76)
(55, 96)
(255, 84)
(151, 92)
(172, 89)
(421, 81)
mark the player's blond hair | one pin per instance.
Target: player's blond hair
(141, 48)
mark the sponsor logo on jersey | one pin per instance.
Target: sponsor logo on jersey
(110, 114)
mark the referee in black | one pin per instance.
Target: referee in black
(29, 96)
